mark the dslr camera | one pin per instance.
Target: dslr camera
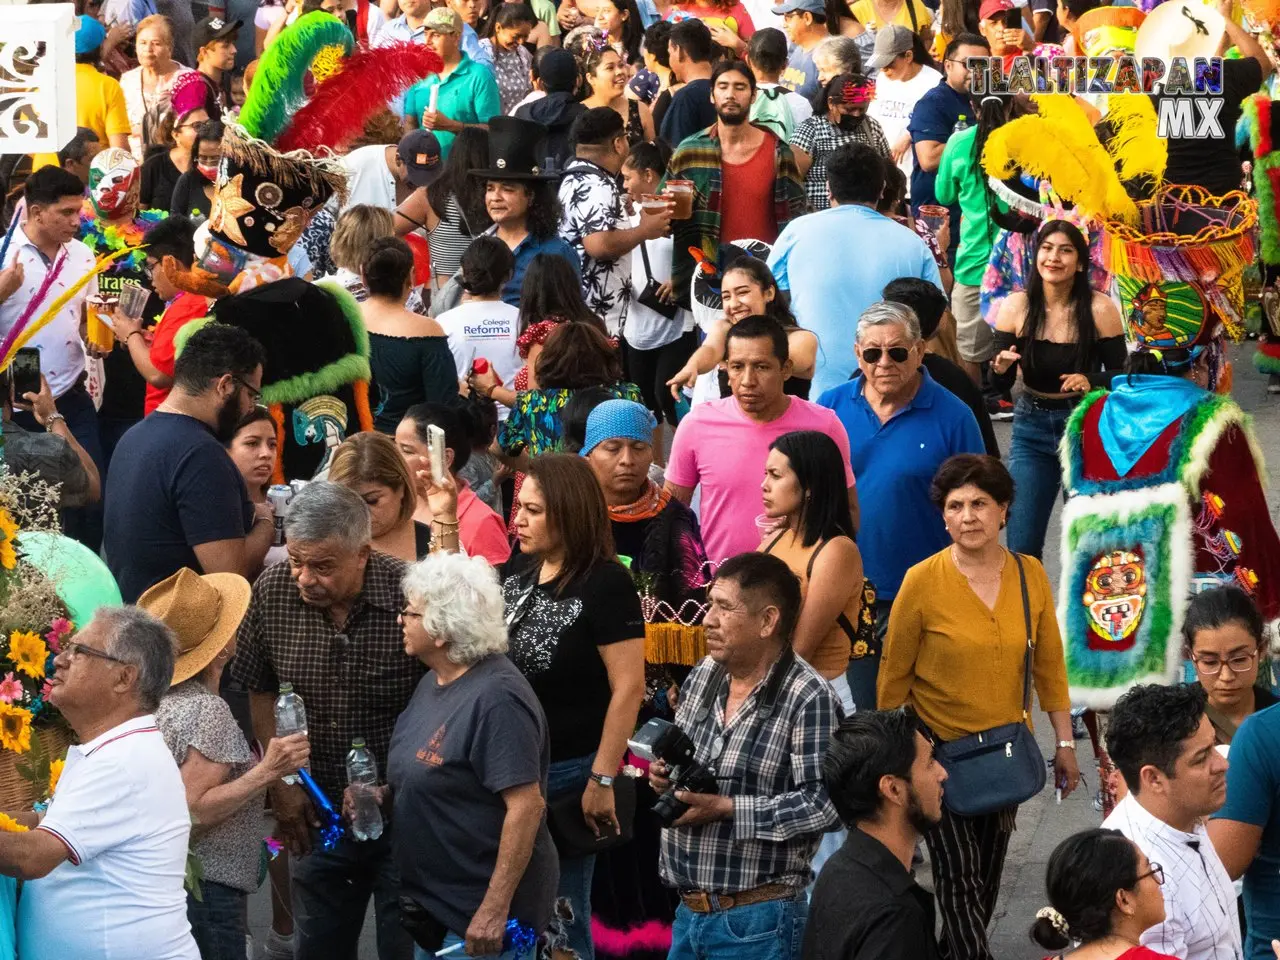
(660, 740)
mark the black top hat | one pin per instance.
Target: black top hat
(517, 151)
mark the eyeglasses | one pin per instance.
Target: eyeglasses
(963, 63)
(407, 614)
(149, 269)
(1156, 873)
(254, 392)
(897, 354)
(1212, 666)
(77, 650)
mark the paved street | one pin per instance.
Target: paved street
(1041, 823)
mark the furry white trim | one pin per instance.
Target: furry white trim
(1120, 507)
(1197, 462)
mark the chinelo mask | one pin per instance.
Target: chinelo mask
(114, 183)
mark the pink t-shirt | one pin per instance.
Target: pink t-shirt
(719, 449)
(480, 530)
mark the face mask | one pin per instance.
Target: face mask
(209, 172)
(114, 182)
(851, 123)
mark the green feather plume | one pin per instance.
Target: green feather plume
(277, 91)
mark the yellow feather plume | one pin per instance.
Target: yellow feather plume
(1136, 145)
(1059, 144)
(35, 326)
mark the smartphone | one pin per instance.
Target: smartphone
(435, 452)
(26, 373)
(1013, 19)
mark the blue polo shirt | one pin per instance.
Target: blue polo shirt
(894, 464)
(524, 253)
(934, 118)
(1253, 797)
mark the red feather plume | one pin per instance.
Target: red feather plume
(367, 82)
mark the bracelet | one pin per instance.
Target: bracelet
(1066, 744)
(601, 779)
(445, 523)
(53, 418)
(136, 333)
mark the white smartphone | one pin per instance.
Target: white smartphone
(435, 452)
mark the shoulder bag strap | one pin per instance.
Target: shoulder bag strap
(813, 558)
(648, 271)
(911, 12)
(1026, 619)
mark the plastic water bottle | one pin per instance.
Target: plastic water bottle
(362, 776)
(961, 124)
(291, 717)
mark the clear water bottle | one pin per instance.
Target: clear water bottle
(291, 717)
(961, 124)
(362, 776)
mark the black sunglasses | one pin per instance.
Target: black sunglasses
(897, 354)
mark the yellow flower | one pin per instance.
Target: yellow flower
(860, 648)
(10, 825)
(28, 653)
(8, 534)
(55, 774)
(15, 728)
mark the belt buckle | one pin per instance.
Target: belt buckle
(698, 901)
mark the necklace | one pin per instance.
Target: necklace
(955, 559)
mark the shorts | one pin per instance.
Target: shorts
(974, 337)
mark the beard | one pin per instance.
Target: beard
(731, 119)
(851, 123)
(920, 821)
(227, 418)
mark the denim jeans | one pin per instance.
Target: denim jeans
(331, 890)
(217, 921)
(451, 940)
(1037, 474)
(570, 777)
(773, 930)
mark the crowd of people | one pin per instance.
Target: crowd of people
(587, 413)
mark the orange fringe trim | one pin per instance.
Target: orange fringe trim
(361, 390)
(277, 414)
(674, 643)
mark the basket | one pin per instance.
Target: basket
(16, 791)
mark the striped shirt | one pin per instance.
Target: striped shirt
(1199, 901)
(770, 762)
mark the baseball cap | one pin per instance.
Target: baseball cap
(419, 151)
(443, 20)
(558, 71)
(89, 34)
(213, 28)
(804, 6)
(891, 42)
(991, 8)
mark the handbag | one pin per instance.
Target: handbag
(1001, 767)
(649, 295)
(569, 830)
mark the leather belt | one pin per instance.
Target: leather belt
(1050, 403)
(701, 902)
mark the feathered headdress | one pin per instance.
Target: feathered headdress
(1136, 146)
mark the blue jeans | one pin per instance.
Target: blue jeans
(773, 930)
(570, 777)
(331, 890)
(1037, 474)
(450, 940)
(217, 921)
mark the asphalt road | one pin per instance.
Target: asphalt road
(1042, 824)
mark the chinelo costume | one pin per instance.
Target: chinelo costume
(277, 172)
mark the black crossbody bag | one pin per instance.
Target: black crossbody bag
(1001, 767)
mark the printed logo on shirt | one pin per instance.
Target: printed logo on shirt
(430, 754)
(488, 330)
(792, 78)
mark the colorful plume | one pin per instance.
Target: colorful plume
(1136, 145)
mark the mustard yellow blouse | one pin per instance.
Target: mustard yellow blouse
(958, 663)
(865, 11)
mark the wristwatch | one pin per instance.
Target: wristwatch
(601, 779)
(1066, 744)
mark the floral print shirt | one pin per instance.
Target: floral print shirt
(592, 201)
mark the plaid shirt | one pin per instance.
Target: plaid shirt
(698, 159)
(355, 682)
(771, 766)
(819, 139)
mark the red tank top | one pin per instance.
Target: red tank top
(746, 201)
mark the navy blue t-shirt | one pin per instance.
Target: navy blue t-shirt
(690, 112)
(934, 118)
(173, 487)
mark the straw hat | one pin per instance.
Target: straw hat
(204, 613)
(1180, 28)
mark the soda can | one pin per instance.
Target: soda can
(279, 495)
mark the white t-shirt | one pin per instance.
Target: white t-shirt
(484, 328)
(647, 329)
(61, 349)
(369, 179)
(121, 810)
(893, 103)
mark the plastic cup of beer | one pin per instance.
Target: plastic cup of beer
(682, 193)
(98, 330)
(133, 300)
(934, 217)
(654, 202)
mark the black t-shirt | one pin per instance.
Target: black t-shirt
(159, 177)
(1212, 162)
(189, 198)
(554, 640)
(958, 382)
(690, 112)
(454, 750)
(173, 487)
(125, 391)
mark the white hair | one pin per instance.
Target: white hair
(840, 52)
(138, 638)
(461, 603)
(328, 511)
(885, 313)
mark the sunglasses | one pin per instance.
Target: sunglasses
(897, 354)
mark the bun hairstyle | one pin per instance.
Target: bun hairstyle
(388, 267)
(1084, 873)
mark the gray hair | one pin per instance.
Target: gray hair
(841, 52)
(328, 511)
(461, 603)
(885, 313)
(143, 641)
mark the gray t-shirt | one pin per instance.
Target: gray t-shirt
(454, 750)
